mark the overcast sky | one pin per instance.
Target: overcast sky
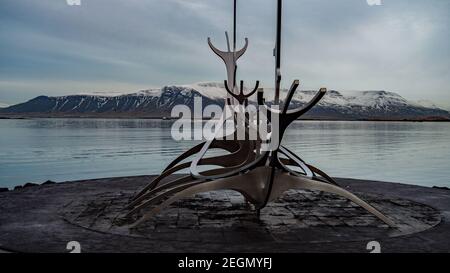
(48, 47)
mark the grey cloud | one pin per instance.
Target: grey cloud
(402, 46)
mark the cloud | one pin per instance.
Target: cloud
(401, 46)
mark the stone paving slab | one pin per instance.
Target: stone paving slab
(45, 218)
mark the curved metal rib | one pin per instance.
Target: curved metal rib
(160, 197)
(229, 58)
(241, 97)
(231, 162)
(228, 161)
(248, 164)
(286, 115)
(315, 170)
(241, 52)
(290, 95)
(224, 54)
(219, 144)
(298, 162)
(181, 181)
(176, 183)
(292, 115)
(323, 174)
(287, 101)
(172, 167)
(160, 188)
(286, 182)
(246, 184)
(317, 173)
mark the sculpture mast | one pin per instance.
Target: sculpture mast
(234, 44)
(277, 54)
(234, 27)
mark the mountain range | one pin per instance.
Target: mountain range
(158, 103)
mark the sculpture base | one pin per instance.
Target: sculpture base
(45, 218)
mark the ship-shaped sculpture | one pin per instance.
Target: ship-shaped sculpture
(261, 175)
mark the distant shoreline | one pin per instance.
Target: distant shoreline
(108, 116)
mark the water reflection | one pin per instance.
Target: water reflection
(36, 150)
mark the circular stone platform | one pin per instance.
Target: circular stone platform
(46, 218)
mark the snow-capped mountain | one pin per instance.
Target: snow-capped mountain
(156, 103)
(3, 105)
(431, 104)
(369, 105)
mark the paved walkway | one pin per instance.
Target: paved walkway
(46, 218)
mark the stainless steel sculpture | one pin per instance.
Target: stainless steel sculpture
(259, 175)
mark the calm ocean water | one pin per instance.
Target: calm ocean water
(36, 150)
